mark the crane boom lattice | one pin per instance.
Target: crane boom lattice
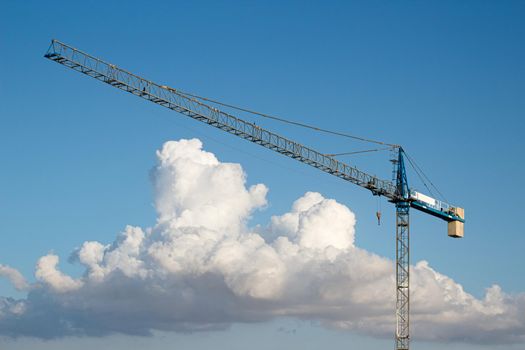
(192, 107)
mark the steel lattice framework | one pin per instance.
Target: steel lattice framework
(402, 276)
(402, 256)
(191, 107)
(188, 105)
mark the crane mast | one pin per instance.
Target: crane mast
(189, 105)
(402, 256)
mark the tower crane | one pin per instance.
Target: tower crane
(202, 109)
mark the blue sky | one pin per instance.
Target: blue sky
(445, 79)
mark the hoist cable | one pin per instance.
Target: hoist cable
(285, 120)
(418, 170)
(357, 152)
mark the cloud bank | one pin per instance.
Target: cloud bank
(201, 267)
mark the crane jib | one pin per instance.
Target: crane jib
(175, 100)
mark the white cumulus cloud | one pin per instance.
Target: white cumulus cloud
(47, 272)
(201, 267)
(14, 276)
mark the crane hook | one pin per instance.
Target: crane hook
(378, 212)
